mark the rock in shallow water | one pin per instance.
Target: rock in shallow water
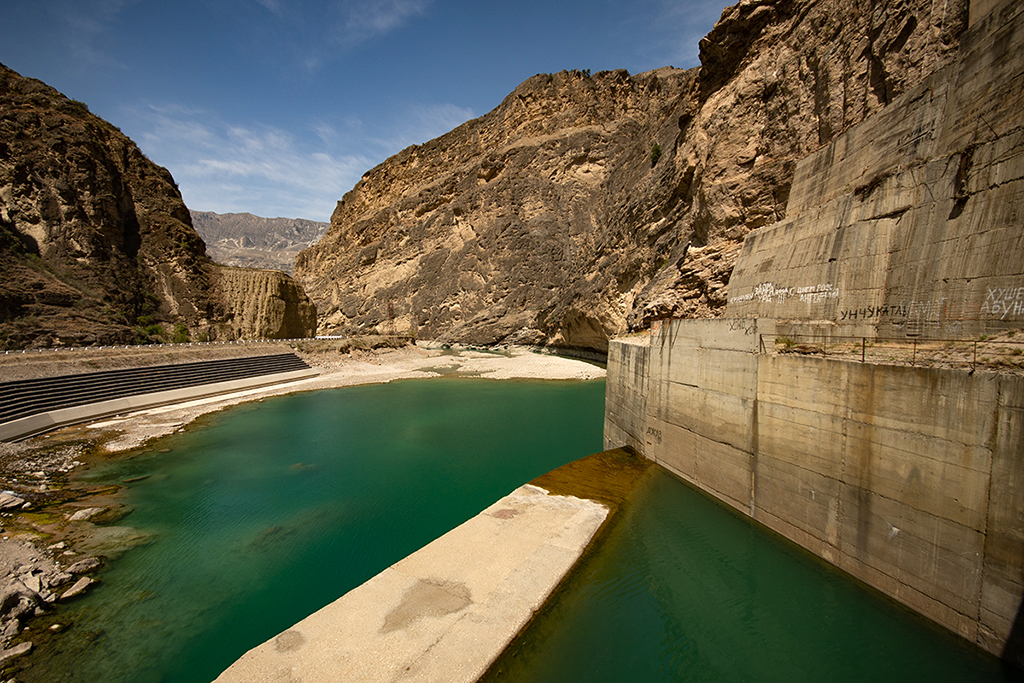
(80, 586)
(83, 566)
(16, 651)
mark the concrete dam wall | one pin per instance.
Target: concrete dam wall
(910, 479)
(909, 224)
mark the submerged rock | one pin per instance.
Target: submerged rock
(80, 587)
(84, 566)
(16, 651)
(84, 514)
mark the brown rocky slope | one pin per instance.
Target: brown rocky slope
(586, 205)
(96, 245)
(248, 241)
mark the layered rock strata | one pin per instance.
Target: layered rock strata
(266, 304)
(585, 205)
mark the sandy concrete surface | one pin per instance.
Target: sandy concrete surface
(371, 367)
(443, 613)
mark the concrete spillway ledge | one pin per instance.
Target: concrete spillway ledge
(42, 422)
(446, 612)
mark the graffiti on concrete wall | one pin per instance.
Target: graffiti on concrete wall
(946, 312)
(924, 311)
(1004, 303)
(913, 316)
(769, 292)
(870, 312)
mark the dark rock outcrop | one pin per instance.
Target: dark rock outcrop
(585, 205)
(96, 245)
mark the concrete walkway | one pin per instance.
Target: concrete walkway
(445, 612)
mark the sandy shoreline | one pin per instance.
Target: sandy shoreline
(43, 536)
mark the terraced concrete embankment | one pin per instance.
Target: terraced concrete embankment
(32, 406)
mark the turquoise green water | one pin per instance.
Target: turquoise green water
(688, 590)
(274, 509)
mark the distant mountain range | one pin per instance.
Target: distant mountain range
(245, 240)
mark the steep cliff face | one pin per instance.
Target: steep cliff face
(266, 304)
(585, 205)
(496, 230)
(96, 245)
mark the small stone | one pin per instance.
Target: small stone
(56, 628)
(57, 546)
(9, 500)
(33, 583)
(85, 513)
(69, 552)
(79, 588)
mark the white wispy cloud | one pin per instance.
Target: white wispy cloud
(253, 167)
(368, 19)
(423, 122)
(688, 22)
(82, 26)
(230, 166)
(273, 6)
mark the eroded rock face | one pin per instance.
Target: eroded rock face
(96, 245)
(496, 231)
(265, 304)
(554, 220)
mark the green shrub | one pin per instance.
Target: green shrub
(655, 153)
(180, 334)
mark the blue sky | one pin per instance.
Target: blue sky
(277, 107)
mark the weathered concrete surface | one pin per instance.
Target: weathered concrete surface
(909, 223)
(625, 401)
(443, 613)
(907, 478)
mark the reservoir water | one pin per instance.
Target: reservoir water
(687, 589)
(268, 511)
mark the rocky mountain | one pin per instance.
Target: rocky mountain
(245, 240)
(586, 205)
(96, 245)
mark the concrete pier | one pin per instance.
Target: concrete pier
(445, 612)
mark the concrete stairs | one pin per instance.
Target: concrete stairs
(74, 398)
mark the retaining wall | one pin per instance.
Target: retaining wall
(909, 224)
(910, 479)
